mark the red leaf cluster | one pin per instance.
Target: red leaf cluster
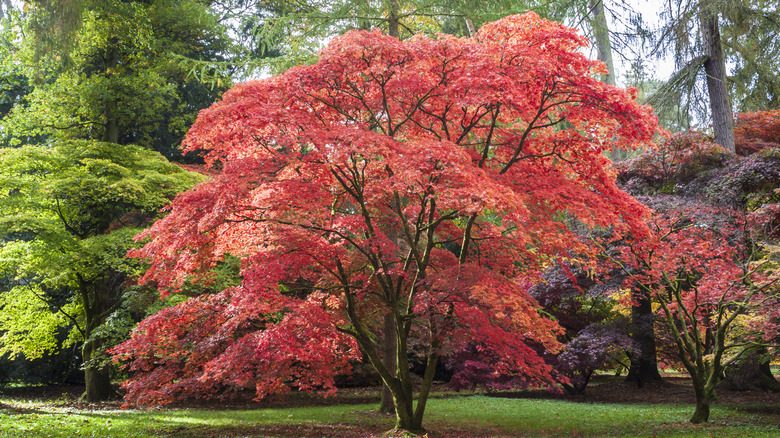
(715, 301)
(754, 131)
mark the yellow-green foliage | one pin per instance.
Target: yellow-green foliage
(68, 214)
(30, 327)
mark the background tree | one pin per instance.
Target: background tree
(752, 43)
(702, 36)
(717, 305)
(689, 169)
(69, 212)
(596, 332)
(600, 30)
(108, 71)
(282, 34)
(340, 182)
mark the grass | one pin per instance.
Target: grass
(534, 417)
(468, 416)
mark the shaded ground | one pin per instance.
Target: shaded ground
(604, 389)
(672, 390)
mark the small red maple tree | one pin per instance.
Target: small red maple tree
(421, 179)
(716, 303)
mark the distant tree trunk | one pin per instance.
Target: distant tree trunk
(715, 68)
(470, 27)
(111, 132)
(600, 27)
(751, 374)
(644, 365)
(393, 24)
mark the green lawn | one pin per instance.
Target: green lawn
(468, 416)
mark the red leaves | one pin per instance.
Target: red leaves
(757, 130)
(695, 264)
(218, 345)
(344, 180)
(466, 305)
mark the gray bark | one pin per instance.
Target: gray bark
(600, 27)
(715, 68)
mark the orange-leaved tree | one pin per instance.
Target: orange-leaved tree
(430, 179)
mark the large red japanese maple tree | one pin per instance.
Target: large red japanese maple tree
(429, 179)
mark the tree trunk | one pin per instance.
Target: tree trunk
(751, 374)
(702, 412)
(399, 383)
(97, 379)
(715, 68)
(470, 27)
(408, 417)
(97, 297)
(644, 365)
(705, 394)
(393, 23)
(111, 132)
(600, 27)
(388, 404)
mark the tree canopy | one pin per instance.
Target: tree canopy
(110, 71)
(69, 214)
(430, 178)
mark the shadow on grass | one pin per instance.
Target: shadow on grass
(331, 430)
(18, 410)
(760, 409)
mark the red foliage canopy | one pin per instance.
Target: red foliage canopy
(716, 303)
(756, 130)
(425, 178)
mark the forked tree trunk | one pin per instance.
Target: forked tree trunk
(705, 395)
(408, 416)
